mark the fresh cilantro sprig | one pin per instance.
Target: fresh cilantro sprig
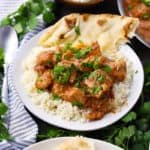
(4, 135)
(25, 18)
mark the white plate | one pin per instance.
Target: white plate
(52, 143)
(110, 118)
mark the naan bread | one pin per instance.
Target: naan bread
(77, 143)
(108, 30)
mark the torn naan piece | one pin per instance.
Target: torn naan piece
(107, 29)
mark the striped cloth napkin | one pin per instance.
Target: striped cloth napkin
(22, 128)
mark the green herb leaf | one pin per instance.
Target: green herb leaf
(61, 74)
(40, 90)
(107, 68)
(4, 135)
(77, 103)
(18, 27)
(36, 9)
(88, 64)
(145, 108)
(81, 53)
(101, 78)
(77, 30)
(68, 46)
(96, 89)
(55, 97)
(25, 18)
(3, 109)
(129, 117)
(58, 56)
(1, 57)
(5, 21)
(48, 17)
(147, 136)
(146, 2)
(33, 22)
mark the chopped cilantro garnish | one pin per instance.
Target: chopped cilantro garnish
(84, 75)
(93, 74)
(101, 78)
(96, 89)
(96, 64)
(107, 68)
(77, 84)
(77, 30)
(61, 74)
(82, 52)
(40, 90)
(80, 41)
(68, 46)
(77, 103)
(55, 96)
(58, 56)
(92, 64)
(88, 64)
(146, 2)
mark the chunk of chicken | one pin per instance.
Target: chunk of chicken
(46, 58)
(98, 83)
(95, 50)
(44, 81)
(98, 108)
(118, 68)
(69, 93)
(40, 69)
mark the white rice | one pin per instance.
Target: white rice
(61, 108)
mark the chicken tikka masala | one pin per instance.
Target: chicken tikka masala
(80, 75)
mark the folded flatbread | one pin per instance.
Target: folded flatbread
(107, 29)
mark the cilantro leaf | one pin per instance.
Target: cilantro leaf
(61, 74)
(77, 30)
(3, 108)
(4, 135)
(55, 97)
(77, 103)
(145, 108)
(129, 117)
(25, 17)
(81, 53)
(107, 68)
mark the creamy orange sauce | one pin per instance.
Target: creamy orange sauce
(136, 8)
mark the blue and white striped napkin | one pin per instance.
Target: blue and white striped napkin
(22, 128)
